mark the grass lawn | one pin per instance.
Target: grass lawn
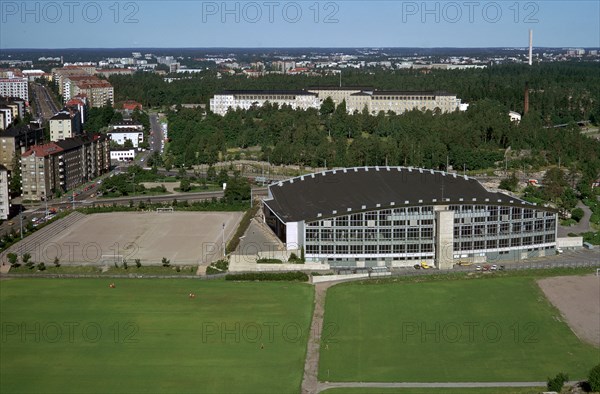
(73, 336)
(500, 329)
(479, 390)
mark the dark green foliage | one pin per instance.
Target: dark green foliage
(269, 261)
(13, 259)
(41, 267)
(242, 227)
(218, 267)
(510, 183)
(269, 276)
(238, 189)
(556, 383)
(294, 259)
(166, 262)
(594, 378)
(185, 185)
(56, 262)
(138, 263)
(577, 214)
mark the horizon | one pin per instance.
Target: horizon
(262, 25)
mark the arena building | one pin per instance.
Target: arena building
(398, 216)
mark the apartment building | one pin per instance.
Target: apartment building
(65, 124)
(245, 99)
(14, 87)
(63, 165)
(15, 140)
(4, 193)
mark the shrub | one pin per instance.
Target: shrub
(294, 259)
(138, 263)
(13, 259)
(166, 262)
(56, 262)
(41, 267)
(30, 265)
(26, 257)
(124, 263)
(218, 267)
(269, 261)
(577, 214)
(594, 378)
(269, 276)
(556, 383)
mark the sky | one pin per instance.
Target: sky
(311, 23)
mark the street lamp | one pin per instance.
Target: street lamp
(223, 239)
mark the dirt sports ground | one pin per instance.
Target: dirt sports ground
(181, 237)
(578, 299)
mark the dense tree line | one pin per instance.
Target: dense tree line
(559, 92)
(475, 139)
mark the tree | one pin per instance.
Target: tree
(223, 177)
(15, 176)
(26, 257)
(238, 189)
(185, 185)
(128, 144)
(594, 378)
(211, 173)
(327, 107)
(56, 262)
(510, 183)
(138, 263)
(41, 266)
(13, 259)
(166, 262)
(556, 383)
(577, 214)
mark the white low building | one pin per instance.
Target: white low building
(122, 154)
(121, 135)
(246, 99)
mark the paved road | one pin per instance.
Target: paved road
(44, 104)
(581, 227)
(327, 385)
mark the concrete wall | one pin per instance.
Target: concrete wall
(444, 237)
(331, 278)
(569, 242)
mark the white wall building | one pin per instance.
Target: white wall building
(14, 87)
(245, 99)
(4, 194)
(122, 154)
(123, 134)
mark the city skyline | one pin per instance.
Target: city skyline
(300, 24)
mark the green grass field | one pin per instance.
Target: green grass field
(464, 330)
(72, 336)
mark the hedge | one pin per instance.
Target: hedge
(269, 276)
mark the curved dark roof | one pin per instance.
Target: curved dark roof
(342, 191)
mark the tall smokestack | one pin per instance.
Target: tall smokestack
(526, 105)
(530, 47)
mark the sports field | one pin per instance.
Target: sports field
(150, 336)
(182, 237)
(471, 330)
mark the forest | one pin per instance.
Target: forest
(483, 137)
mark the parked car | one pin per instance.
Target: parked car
(417, 266)
(478, 268)
(494, 267)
